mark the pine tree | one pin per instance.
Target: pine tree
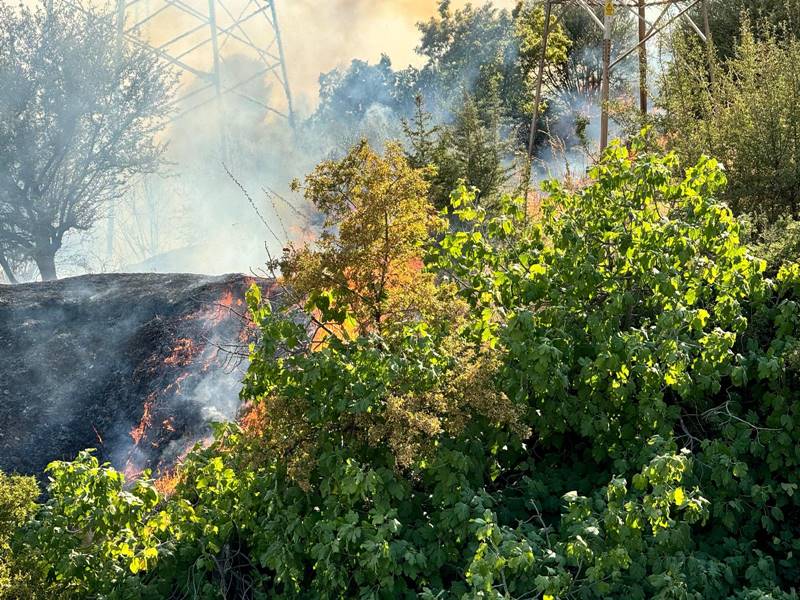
(421, 136)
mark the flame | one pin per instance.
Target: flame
(190, 356)
(182, 354)
(252, 419)
(137, 433)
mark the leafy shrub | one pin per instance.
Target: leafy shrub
(747, 116)
(612, 416)
(17, 502)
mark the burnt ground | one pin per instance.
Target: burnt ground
(134, 365)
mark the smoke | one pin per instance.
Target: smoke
(321, 36)
(194, 217)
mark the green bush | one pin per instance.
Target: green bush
(613, 415)
(18, 496)
(747, 116)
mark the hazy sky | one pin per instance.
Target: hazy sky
(319, 35)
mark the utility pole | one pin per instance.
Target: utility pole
(548, 7)
(647, 29)
(282, 58)
(642, 58)
(608, 21)
(120, 23)
(709, 42)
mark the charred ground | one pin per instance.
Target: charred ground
(135, 365)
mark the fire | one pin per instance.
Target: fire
(193, 353)
(137, 433)
(252, 419)
(224, 308)
(182, 354)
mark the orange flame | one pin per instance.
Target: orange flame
(182, 354)
(137, 433)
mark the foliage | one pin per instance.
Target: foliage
(778, 243)
(93, 536)
(471, 150)
(367, 261)
(725, 20)
(611, 415)
(747, 117)
(17, 503)
(79, 115)
(634, 310)
(349, 98)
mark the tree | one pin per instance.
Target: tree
(725, 20)
(421, 135)
(747, 116)
(367, 261)
(472, 150)
(361, 101)
(489, 54)
(79, 117)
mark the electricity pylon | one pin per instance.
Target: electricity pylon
(198, 36)
(666, 13)
(205, 41)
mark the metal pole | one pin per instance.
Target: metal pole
(276, 27)
(604, 93)
(212, 23)
(120, 40)
(217, 79)
(642, 59)
(653, 31)
(709, 42)
(539, 76)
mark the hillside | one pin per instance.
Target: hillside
(135, 365)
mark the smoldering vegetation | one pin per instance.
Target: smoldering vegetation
(192, 217)
(136, 366)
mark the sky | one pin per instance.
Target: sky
(322, 34)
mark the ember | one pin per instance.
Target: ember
(135, 365)
(182, 354)
(137, 433)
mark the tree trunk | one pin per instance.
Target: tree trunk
(47, 266)
(7, 269)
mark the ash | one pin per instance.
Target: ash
(135, 365)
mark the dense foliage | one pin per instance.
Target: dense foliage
(599, 402)
(746, 115)
(724, 19)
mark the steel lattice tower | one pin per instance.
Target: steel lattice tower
(198, 36)
(207, 41)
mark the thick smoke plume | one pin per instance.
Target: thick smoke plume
(195, 218)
